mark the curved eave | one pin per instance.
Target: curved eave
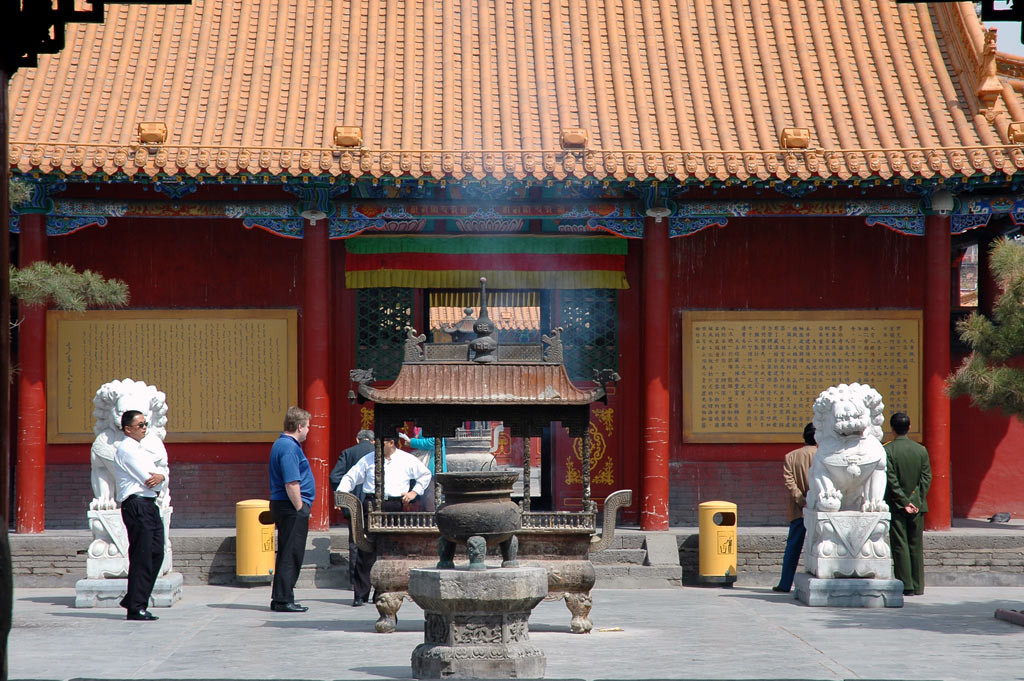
(511, 384)
(753, 165)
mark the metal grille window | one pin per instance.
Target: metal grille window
(381, 317)
(590, 341)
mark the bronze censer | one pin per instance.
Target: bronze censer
(478, 512)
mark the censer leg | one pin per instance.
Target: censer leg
(387, 607)
(446, 553)
(509, 550)
(579, 605)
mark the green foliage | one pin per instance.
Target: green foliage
(993, 374)
(60, 285)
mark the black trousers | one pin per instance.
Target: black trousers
(364, 560)
(292, 528)
(141, 518)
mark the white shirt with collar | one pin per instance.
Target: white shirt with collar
(133, 465)
(399, 469)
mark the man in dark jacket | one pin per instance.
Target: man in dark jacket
(347, 459)
(909, 474)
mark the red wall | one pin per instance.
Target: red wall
(988, 467)
(772, 264)
(750, 264)
(186, 263)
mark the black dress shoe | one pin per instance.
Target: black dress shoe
(141, 616)
(356, 602)
(287, 607)
(780, 590)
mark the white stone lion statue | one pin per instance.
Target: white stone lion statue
(848, 471)
(108, 552)
(112, 400)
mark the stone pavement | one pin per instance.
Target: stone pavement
(222, 632)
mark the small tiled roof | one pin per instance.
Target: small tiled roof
(507, 383)
(504, 318)
(685, 88)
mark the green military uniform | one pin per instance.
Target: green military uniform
(910, 475)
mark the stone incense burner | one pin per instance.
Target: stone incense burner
(478, 512)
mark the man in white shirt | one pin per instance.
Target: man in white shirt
(139, 481)
(405, 479)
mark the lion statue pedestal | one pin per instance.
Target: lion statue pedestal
(106, 567)
(846, 552)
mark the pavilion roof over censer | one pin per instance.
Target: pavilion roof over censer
(516, 89)
(442, 385)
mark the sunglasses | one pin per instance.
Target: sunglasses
(142, 425)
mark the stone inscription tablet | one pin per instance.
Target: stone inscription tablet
(229, 375)
(753, 376)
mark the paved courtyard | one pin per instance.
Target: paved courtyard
(220, 632)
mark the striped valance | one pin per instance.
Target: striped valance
(508, 262)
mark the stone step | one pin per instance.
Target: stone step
(619, 557)
(623, 576)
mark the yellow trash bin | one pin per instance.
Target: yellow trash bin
(717, 553)
(254, 542)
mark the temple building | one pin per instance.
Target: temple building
(731, 205)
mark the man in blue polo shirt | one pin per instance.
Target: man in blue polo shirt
(291, 498)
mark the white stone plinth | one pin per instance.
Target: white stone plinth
(843, 544)
(848, 593)
(107, 593)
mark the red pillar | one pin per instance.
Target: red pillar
(315, 364)
(656, 311)
(30, 486)
(935, 425)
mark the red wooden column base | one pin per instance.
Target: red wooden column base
(935, 426)
(316, 363)
(656, 312)
(30, 485)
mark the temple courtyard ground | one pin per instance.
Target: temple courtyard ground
(746, 632)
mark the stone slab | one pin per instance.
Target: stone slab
(107, 593)
(662, 549)
(848, 593)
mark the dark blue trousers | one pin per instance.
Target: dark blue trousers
(794, 545)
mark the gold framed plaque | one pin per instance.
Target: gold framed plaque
(753, 376)
(229, 375)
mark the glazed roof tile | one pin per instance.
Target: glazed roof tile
(483, 88)
(507, 383)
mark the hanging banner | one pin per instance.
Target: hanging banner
(508, 262)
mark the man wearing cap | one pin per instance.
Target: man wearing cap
(139, 481)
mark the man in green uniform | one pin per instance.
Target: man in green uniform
(910, 474)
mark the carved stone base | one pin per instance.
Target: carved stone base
(108, 553)
(107, 593)
(476, 624)
(849, 593)
(843, 544)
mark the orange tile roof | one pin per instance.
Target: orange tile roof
(684, 88)
(472, 383)
(504, 318)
